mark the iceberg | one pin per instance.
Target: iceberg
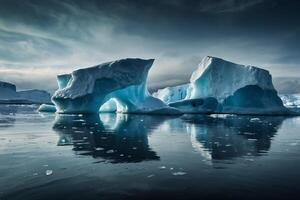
(36, 96)
(219, 78)
(9, 94)
(7, 91)
(220, 86)
(291, 100)
(172, 94)
(47, 108)
(86, 90)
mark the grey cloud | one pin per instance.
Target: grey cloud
(62, 35)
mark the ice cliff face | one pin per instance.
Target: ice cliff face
(7, 90)
(220, 86)
(124, 81)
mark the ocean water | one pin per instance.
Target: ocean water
(117, 156)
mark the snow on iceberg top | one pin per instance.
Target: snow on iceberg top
(219, 78)
(121, 74)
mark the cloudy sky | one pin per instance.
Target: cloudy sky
(42, 38)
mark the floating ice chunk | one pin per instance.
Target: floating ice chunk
(49, 172)
(110, 151)
(179, 173)
(254, 119)
(47, 108)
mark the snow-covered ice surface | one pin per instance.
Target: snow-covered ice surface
(220, 86)
(291, 100)
(172, 94)
(86, 90)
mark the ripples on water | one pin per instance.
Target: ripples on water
(116, 156)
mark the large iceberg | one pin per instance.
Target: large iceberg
(220, 86)
(123, 81)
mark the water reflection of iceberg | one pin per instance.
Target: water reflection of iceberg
(231, 136)
(113, 137)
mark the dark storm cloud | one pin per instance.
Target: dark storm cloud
(44, 38)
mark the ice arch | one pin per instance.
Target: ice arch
(86, 90)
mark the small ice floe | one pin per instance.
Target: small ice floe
(249, 133)
(99, 149)
(293, 144)
(79, 120)
(134, 148)
(228, 145)
(171, 168)
(110, 151)
(150, 176)
(162, 167)
(49, 172)
(179, 173)
(78, 131)
(252, 139)
(254, 119)
(121, 155)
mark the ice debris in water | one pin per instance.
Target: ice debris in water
(254, 119)
(179, 173)
(110, 151)
(150, 176)
(49, 172)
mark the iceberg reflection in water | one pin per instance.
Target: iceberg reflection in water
(124, 138)
(231, 136)
(118, 138)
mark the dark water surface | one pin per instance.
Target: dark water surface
(115, 156)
